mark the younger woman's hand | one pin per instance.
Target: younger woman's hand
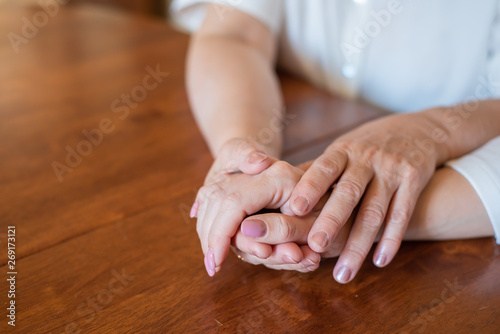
(224, 202)
(237, 155)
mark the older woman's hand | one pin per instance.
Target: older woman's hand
(383, 165)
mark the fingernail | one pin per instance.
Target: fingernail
(320, 239)
(194, 210)
(210, 263)
(288, 260)
(311, 262)
(257, 157)
(253, 228)
(300, 204)
(381, 260)
(210, 271)
(311, 268)
(343, 275)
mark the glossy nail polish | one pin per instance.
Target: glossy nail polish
(320, 239)
(300, 205)
(210, 263)
(381, 260)
(194, 210)
(210, 271)
(343, 275)
(257, 157)
(311, 262)
(253, 228)
(288, 260)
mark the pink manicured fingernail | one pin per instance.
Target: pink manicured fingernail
(381, 260)
(311, 262)
(300, 204)
(194, 210)
(288, 260)
(210, 263)
(210, 271)
(343, 275)
(320, 239)
(253, 228)
(257, 157)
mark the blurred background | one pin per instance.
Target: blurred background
(146, 7)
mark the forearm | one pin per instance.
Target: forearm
(448, 208)
(463, 128)
(234, 92)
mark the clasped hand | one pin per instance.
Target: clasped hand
(378, 168)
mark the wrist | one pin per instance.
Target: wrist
(438, 136)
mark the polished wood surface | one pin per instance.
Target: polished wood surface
(146, 7)
(108, 247)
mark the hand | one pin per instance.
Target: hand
(237, 155)
(288, 235)
(225, 203)
(383, 165)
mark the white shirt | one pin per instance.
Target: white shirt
(400, 55)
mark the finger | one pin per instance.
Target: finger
(209, 197)
(251, 246)
(275, 228)
(239, 156)
(310, 259)
(267, 191)
(317, 180)
(397, 220)
(368, 221)
(310, 262)
(287, 253)
(338, 208)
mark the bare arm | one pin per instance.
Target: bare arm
(448, 208)
(232, 85)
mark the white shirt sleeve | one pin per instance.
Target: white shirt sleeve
(189, 14)
(482, 169)
(493, 62)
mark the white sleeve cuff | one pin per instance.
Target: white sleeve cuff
(189, 14)
(482, 169)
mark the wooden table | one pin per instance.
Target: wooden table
(107, 247)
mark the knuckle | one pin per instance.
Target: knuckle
(356, 251)
(391, 242)
(350, 189)
(217, 178)
(243, 146)
(312, 186)
(233, 199)
(408, 170)
(281, 166)
(284, 171)
(343, 145)
(214, 192)
(328, 167)
(399, 217)
(285, 229)
(330, 221)
(373, 215)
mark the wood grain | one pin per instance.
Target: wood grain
(110, 249)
